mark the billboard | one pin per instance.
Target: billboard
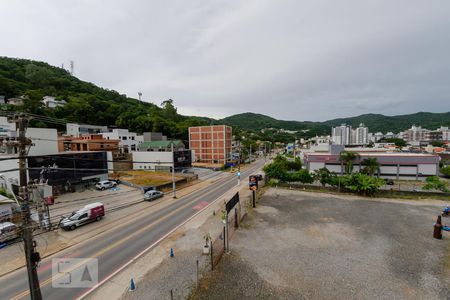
(182, 159)
(58, 169)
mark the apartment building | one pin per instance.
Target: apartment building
(128, 141)
(341, 135)
(211, 144)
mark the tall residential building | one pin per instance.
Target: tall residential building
(341, 135)
(211, 144)
(415, 134)
(445, 133)
(362, 135)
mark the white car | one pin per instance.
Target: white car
(107, 184)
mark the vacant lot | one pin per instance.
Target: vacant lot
(300, 245)
(147, 178)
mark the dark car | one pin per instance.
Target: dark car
(389, 181)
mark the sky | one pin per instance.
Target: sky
(292, 60)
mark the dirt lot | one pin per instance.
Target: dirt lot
(147, 178)
(300, 245)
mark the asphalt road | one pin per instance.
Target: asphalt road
(117, 247)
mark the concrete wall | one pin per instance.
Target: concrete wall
(149, 160)
(45, 141)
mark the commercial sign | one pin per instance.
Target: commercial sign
(253, 182)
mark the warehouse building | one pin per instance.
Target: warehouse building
(392, 165)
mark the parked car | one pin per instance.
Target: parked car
(152, 195)
(116, 180)
(187, 171)
(8, 231)
(90, 213)
(107, 184)
(389, 181)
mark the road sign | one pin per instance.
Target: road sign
(253, 182)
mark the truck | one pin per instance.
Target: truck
(90, 213)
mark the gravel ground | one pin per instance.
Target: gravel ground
(301, 245)
(179, 272)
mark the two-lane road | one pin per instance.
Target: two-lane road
(115, 248)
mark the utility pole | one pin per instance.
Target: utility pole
(173, 172)
(32, 257)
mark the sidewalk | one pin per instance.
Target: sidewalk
(49, 243)
(156, 274)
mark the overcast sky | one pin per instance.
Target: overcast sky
(293, 60)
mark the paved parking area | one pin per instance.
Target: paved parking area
(300, 245)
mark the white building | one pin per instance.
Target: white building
(44, 142)
(445, 133)
(77, 130)
(51, 102)
(392, 165)
(361, 135)
(162, 161)
(16, 101)
(129, 141)
(341, 135)
(415, 134)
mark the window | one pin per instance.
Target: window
(83, 216)
(124, 138)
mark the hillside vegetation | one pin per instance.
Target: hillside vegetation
(87, 103)
(375, 122)
(90, 104)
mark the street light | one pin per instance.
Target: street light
(173, 172)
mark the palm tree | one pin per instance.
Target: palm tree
(371, 165)
(347, 158)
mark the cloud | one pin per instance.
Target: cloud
(302, 60)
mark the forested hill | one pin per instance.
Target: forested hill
(90, 104)
(87, 103)
(375, 122)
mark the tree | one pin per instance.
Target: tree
(363, 184)
(347, 158)
(276, 170)
(434, 183)
(437, 143)
(446, 171)
(295, 165)
(302, 176)
(371, 165)
(399, 143)
(324, 176)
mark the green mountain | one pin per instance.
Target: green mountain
(90, 104)
(86, 103)
(375, 122)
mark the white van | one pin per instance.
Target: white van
(8, 231)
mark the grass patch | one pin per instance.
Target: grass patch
(147, 178)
